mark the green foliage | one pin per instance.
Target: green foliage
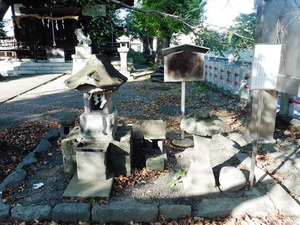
(2, 31)
(137, 57)
(236, 38)
(177, 177)
(154, 25)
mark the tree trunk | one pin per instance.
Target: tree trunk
(162, 43)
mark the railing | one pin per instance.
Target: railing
(234, 78)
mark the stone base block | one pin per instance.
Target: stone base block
(156, 162)
(91, 165)
(78, 189)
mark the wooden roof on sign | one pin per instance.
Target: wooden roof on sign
(185, 48)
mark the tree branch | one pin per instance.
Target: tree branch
(167, 15)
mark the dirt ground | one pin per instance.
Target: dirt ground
(136, 102)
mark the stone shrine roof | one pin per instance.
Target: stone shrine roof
(97, 73)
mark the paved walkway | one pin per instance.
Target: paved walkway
(11, 87)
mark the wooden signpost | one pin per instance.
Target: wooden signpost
(265, 68)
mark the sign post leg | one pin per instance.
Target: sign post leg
(182, 107)
(182, 142)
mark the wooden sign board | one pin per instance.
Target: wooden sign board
(265, 66)
(184, 63)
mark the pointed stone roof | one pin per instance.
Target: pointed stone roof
(97, 73)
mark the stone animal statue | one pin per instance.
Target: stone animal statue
(82, 39)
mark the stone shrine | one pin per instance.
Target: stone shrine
(85, 149)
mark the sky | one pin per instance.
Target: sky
(223, 12)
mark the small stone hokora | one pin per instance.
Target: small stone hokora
(83, 40)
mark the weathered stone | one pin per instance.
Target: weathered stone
(238, 138)
(295, 125)
(42, 147)
(137, 131)
(156, 162)
(170, 212)
(232, 179)
(31, 213)
(52, 134)
(222, 207)
(4, 211)
(71, 212)
(67, 121)
(119, 157)
(200, 179)
(125, 211)
(154, 129)
(285, 204)
(204, 127)
(223, 149)
(98, 126)
(29, 159)
(14, 180)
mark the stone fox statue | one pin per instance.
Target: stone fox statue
(82, 39)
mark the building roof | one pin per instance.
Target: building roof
(185, 48)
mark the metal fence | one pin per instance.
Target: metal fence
(234, 78)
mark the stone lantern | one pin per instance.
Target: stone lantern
(123, 50)
(97, 80)
(89, 150)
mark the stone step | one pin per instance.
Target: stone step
(26, 68)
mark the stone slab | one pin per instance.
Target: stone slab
(88, 189)
(284, 203)
(42, 147)
(31, 213)
(200, 179)
(4, 211)
(154, 129)
(72, 212)
(14, 179)
(125, 211)
(171, 212)
(222, 207)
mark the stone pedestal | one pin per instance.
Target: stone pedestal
(154, 132)
(91, 161)
(81, 56)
